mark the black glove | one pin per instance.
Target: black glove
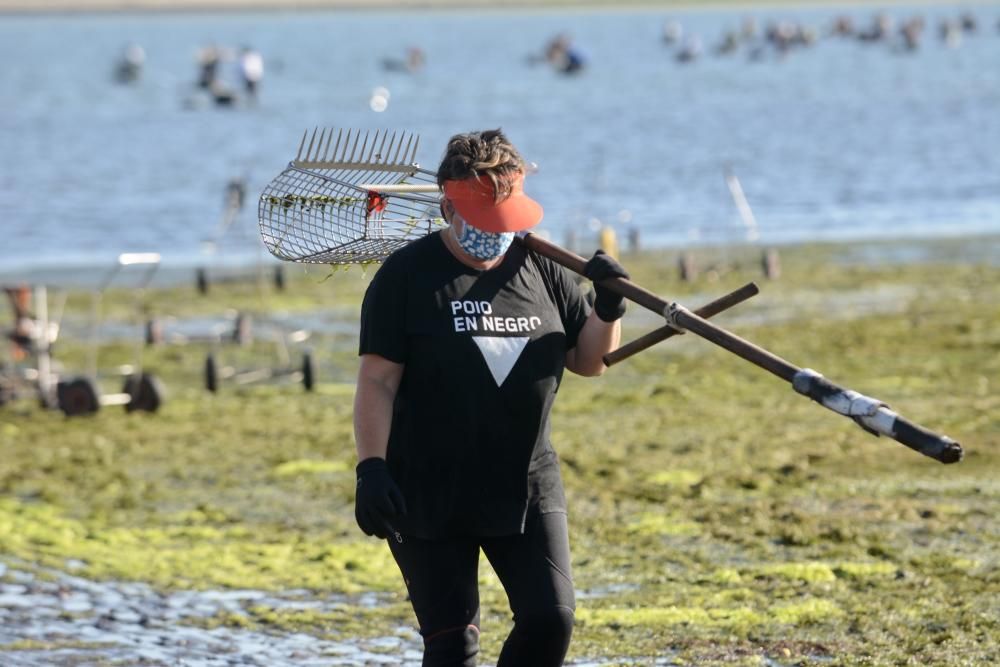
(377, 500)
(608, 305)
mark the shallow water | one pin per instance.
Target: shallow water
(839, 141)
(130, 623)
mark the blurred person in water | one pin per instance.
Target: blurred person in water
(251, 71)
(128, 69)
(464, 339)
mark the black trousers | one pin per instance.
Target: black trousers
(441, 577)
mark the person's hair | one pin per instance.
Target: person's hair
(486, 154)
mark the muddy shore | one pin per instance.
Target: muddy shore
(718, 518)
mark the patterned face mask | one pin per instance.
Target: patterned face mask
(480, 244)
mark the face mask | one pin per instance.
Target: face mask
(480, 244)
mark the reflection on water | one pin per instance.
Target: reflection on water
(64, 619)
(841, 139)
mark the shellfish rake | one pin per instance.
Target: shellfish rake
(331, 205)
(358, 198)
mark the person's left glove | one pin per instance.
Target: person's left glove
(608, 305)
(377, 500)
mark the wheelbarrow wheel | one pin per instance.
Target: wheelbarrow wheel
(211, 374)
(146, 392)
(78, 397)
(308, 372)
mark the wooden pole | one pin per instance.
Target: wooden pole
(653, 337)
(869, 413)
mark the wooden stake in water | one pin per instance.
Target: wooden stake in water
(742, 205)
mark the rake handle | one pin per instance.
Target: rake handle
(663, 333)
(685, 318)
(881, 422)
(575, 263)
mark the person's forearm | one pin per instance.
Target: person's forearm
(372, 417)
(596, 339)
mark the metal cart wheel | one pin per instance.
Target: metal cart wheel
(146, 392)
(243, 329)
(201, 281)
(78, 397)
(211, 374)
(154, 331)
(308, 372)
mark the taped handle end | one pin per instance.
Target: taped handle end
(938, 447)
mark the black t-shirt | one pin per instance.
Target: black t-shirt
(484, 352)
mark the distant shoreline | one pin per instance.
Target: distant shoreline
(178, 269)
(29, 7)
(178, 6)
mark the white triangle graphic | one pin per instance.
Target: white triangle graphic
(501, 354)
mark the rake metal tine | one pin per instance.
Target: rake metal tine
(371, 151)
(385, 135)
(403, 148)
(315, 155)
(319, 142)
(406, 151)
(323, 149)
(342, 153)
(393, 159)
(330, 151)
(311, 140)
(336, 147)
(298, 155)
(392, 142)
(354, 148)
(364, 145)
(343, 150)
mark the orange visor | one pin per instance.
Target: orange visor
(473, 200)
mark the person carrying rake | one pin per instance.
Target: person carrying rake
(464, 339)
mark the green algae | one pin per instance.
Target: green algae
(727, 618)
(193, 555)
(808, 572)
(309, 467)
(661, 524)
(680, 479)
(865, 570)
(716, 516)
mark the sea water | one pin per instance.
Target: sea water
(840, 140)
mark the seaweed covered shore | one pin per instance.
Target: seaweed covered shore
(717, 517)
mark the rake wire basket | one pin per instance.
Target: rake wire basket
(348, 198)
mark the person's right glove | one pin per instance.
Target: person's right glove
(377, 499)
(608, 305)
